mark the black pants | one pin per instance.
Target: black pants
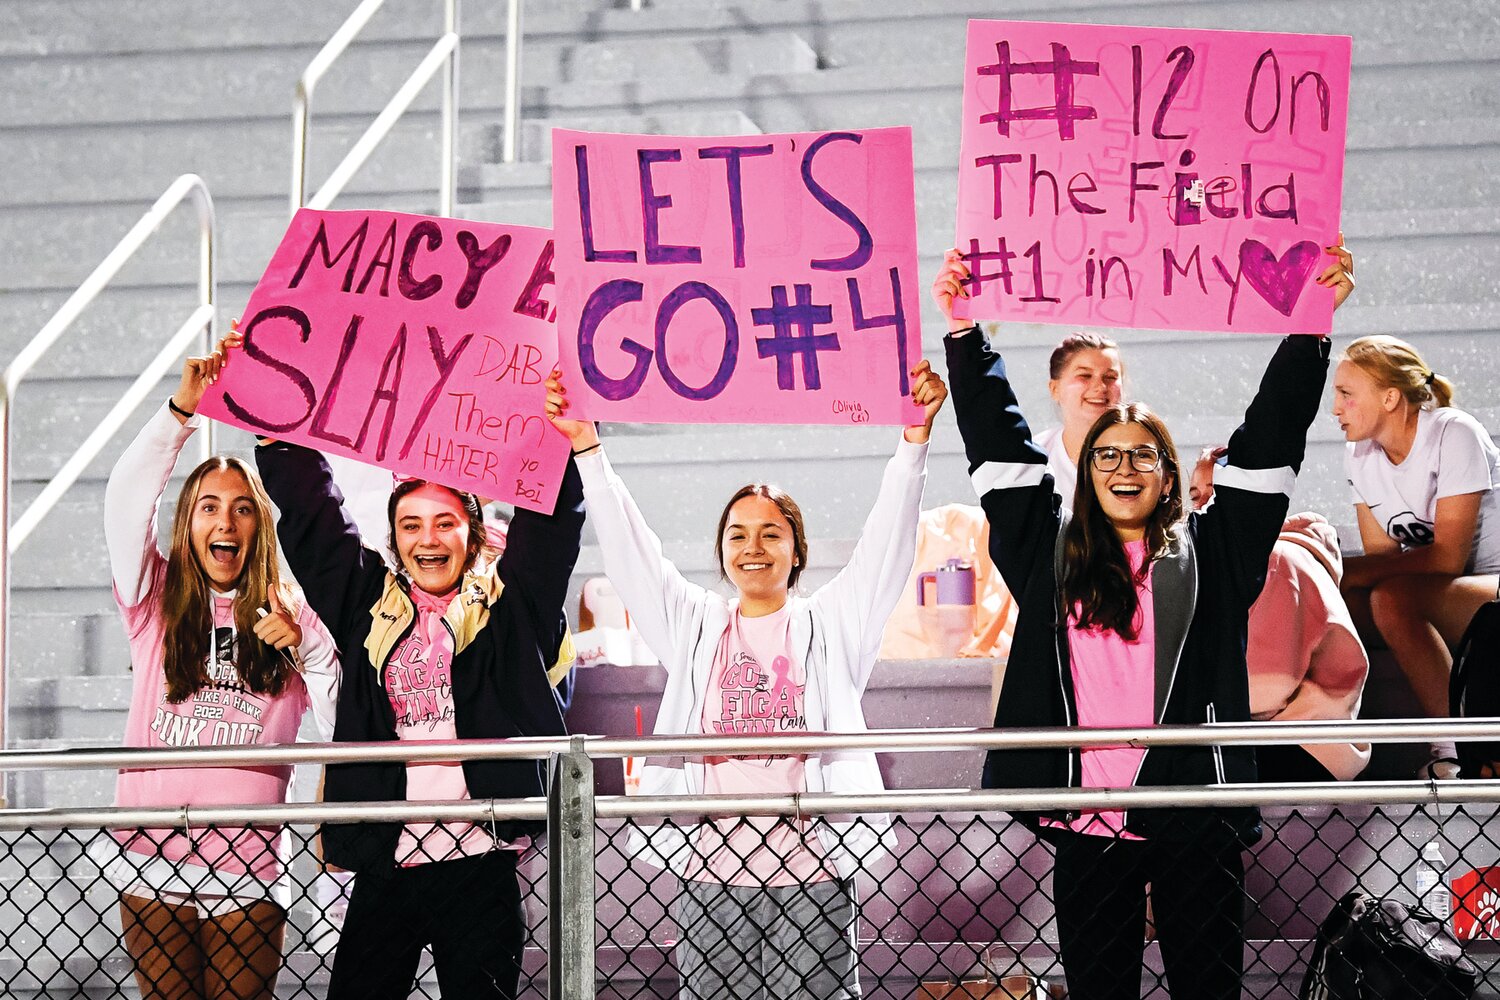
(1198, 902)
(468, 910)
(1289, 763)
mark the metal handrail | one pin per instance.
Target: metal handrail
(903, 801)
(930, 740)
(185, 186)
(444, 53)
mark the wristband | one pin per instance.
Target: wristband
(172, 405)
(593, 447)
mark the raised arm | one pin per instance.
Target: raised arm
(861, 596)
(659, 598)
(138, 480)
(321, 541)
(1253, 488)
(541, 551)
(1008, 470)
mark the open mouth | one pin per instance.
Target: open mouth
(431, 562)
(1126, 491)
(223, 553)
(754, 567)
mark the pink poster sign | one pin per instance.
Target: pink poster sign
(747, 279)
(1151, 177)
(417, 344)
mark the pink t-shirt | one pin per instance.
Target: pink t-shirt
(1114, 684)
(223, 713)
(757, 687)
(419, 681)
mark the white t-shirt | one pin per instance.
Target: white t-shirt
(1064, 470)
(1451, 455)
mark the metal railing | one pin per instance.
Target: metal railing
(964, 883)
(187, 186)
(443, 55)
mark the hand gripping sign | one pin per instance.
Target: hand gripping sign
(1151, 177)
(417, 344)
(749, 279)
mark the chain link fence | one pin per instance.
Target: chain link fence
(749, 897)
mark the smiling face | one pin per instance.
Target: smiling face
(1127, 496)
(1360, 404)
(758, 549)
(223, 527)
(431, 531)
(1089, 383)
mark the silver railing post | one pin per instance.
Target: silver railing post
(570, 875)
(442, 56)
(449, 182)
(5, 400)
(202, 318)
(511, 141)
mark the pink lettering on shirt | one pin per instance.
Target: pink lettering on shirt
(746, 697)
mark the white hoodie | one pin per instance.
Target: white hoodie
(836, 631)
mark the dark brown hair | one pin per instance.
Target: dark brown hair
(1096, 573)
(468, 501)
(1074, 343)
(187, 598)
(789, 510)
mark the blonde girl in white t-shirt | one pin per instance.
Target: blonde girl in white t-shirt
(1424, 477)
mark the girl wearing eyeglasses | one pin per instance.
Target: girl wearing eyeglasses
(1132, 614)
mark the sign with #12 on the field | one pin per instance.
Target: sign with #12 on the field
(742, 279)
(1151, 177)
(417, 344)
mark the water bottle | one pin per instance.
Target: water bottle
(1428, 884)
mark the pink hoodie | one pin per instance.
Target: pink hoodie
(1306, 660)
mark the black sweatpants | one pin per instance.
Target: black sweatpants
(1198, 903)
(468, 910)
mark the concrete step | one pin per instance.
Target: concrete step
(55, 644)
(116, 335)
(925, 94)
(69, 164)
(252, 82)
(931, 32)
(64, 27)
(536, 133)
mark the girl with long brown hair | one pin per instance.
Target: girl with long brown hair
(1133, 614)
(223, 652)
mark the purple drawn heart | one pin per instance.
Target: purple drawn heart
(1279, 282)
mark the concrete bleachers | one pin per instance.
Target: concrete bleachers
(107, 100)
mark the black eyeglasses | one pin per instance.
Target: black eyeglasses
(1143, 458)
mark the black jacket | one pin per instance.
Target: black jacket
(504, 644)
(1202, 588)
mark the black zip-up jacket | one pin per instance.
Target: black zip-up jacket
(503, 646)
(1202, 588)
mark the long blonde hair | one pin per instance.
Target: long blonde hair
(1395, 364)
(187, 600)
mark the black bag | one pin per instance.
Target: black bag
(1379, 949)
(1474, 686)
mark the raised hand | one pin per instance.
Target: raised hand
(200, 373)
(1340, 274)
(276, 628)
(929, 391)
(949, 285)
(581, 434)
